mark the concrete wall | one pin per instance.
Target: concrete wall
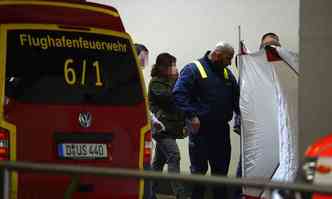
(315, 110)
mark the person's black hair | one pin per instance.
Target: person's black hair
(139, 48)
(269, 34)
(163, 60)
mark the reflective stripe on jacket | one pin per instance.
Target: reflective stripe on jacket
(213, 96)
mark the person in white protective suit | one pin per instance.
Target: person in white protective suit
(269, 39)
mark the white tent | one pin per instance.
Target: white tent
(268, 102)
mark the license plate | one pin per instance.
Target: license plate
(82, 151)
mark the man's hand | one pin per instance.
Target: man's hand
(237, 130)
(195, 124)
(237, 124)
(158, 125)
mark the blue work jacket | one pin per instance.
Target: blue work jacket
(211, 98)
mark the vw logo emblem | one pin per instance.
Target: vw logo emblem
(85, 119)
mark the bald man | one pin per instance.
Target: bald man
(208, 94)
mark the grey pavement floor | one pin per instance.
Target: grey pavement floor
(162, 196)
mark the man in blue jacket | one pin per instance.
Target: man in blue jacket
(208, 94)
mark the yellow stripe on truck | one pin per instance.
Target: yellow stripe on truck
(4, 124)
(144, 130)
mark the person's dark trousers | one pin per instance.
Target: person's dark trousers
(167, 152)
(211, 145)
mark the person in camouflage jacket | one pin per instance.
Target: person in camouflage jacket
(164, 74)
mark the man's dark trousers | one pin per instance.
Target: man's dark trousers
(210, 145)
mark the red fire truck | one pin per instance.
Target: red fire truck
(71, 92)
